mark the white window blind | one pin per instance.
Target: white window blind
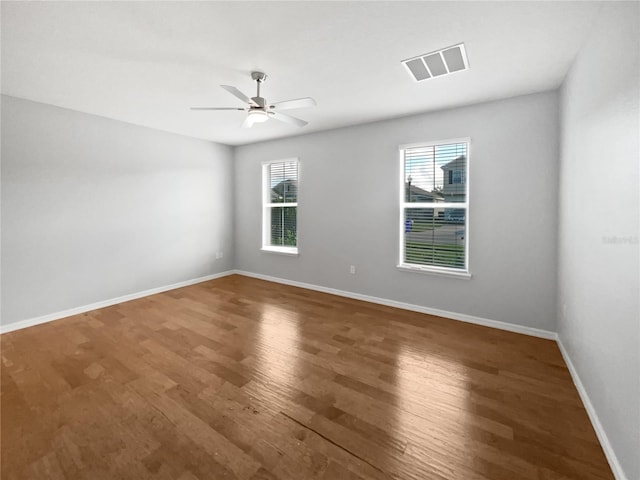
(280, 206)
(434, 206)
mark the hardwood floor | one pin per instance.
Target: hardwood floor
(242, 378)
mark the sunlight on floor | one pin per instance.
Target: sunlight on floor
(278, 337)
(429, 413)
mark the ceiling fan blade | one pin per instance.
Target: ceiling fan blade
(238, 94)
(297, 103)
(216, 108)
(288, 119)
(248, 123)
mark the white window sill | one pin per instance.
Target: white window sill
(291, 251)
(435, 271)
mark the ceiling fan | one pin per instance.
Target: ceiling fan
(259, 110)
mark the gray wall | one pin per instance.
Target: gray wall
(93, 209)
(598, 235)
(348, 210)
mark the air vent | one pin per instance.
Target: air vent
(438, 63)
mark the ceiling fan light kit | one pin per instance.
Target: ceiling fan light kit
(258, 110)
(258, 116)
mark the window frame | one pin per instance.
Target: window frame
(267, 206)
(403, 204)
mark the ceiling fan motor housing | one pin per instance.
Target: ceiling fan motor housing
(260, 101)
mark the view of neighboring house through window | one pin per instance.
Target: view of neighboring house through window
(280, 206)
(434, 205)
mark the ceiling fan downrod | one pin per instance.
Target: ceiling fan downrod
(259, 77)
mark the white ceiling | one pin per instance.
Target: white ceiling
(147, 62)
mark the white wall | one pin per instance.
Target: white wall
(598, 235)
(93, 209)
(348, 210)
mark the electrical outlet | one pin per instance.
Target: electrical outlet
(564, 311)
(219, 255)
(352, 269)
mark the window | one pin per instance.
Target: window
(456, 176)
(434, 207)
(280, 206)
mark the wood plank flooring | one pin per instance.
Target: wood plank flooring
(239, 378)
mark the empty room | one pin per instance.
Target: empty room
(388, 240)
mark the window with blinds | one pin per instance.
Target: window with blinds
(280, 206)
(434, 206)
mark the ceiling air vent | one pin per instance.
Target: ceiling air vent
(438, 63)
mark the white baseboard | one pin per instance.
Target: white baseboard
(616, 468)
(534, 332)
(30, 322)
